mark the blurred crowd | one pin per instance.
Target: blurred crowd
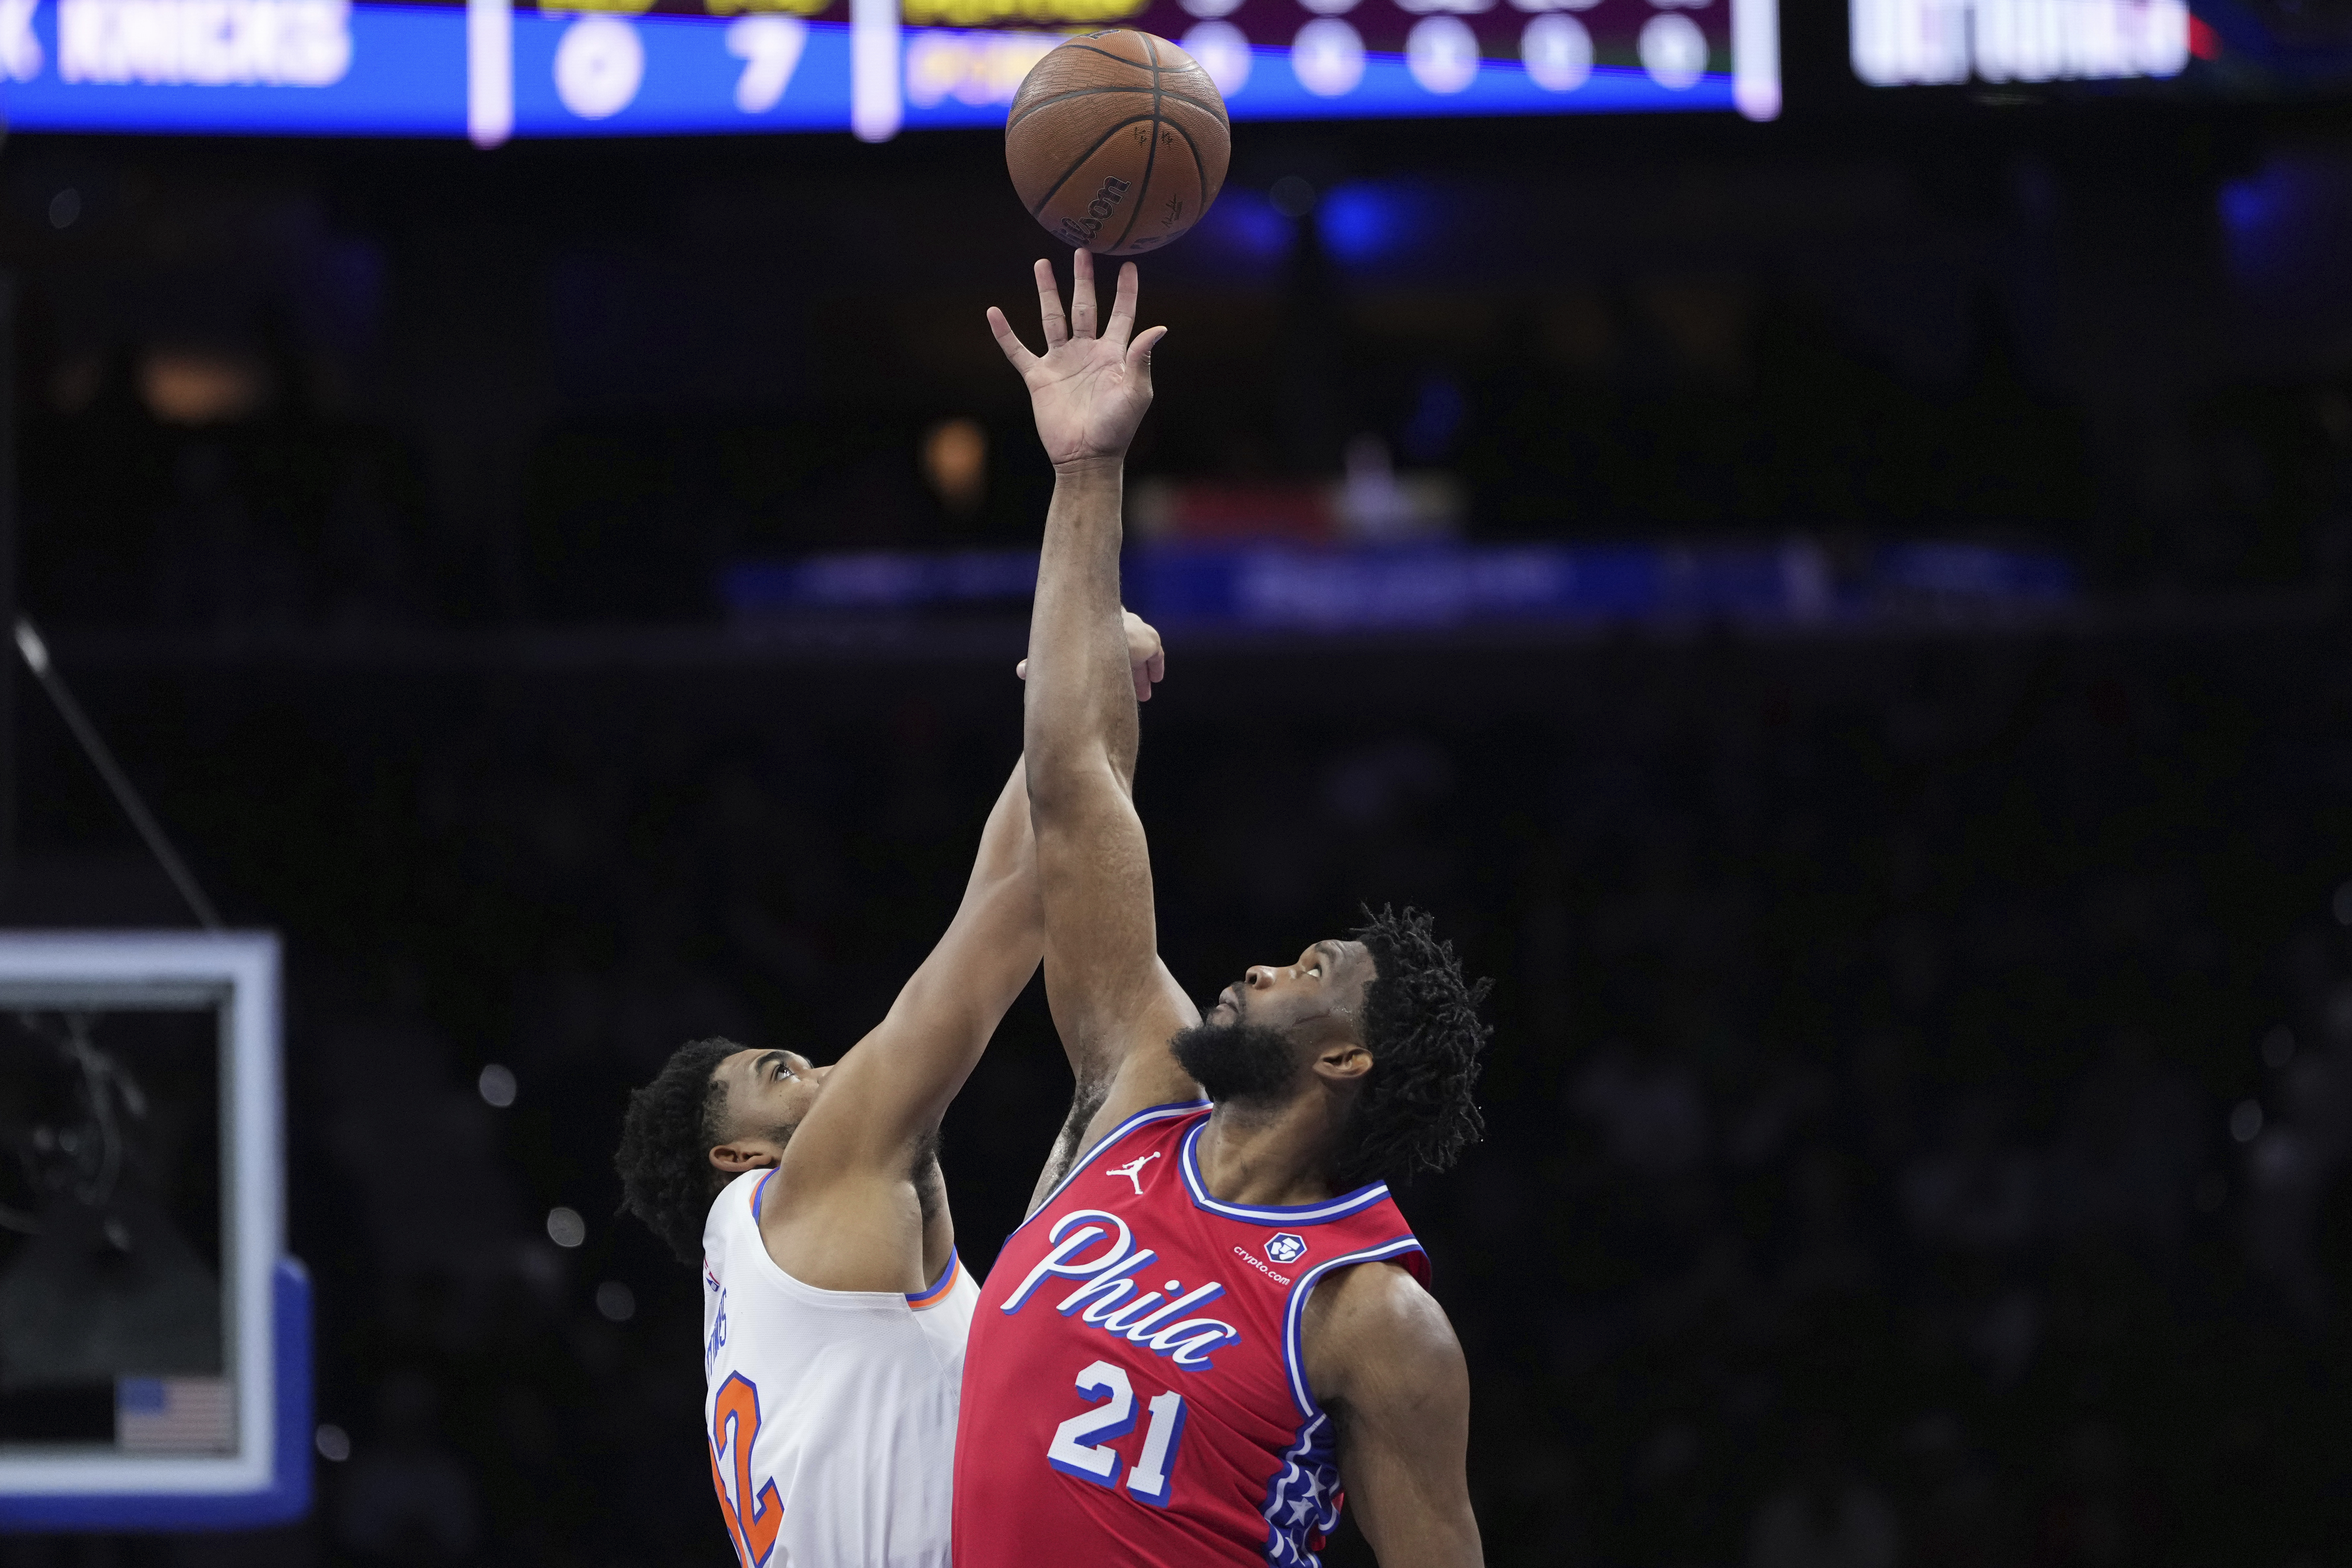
(1919, 1107)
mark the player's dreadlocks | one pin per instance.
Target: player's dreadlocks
(671, 1126)
(1421, 1024)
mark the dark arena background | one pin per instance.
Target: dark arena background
(1842, 617)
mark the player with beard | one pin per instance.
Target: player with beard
(834, 1307)
(1213, 1317)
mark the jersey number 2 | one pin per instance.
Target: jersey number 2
(752, 1519)
(1072, 1453)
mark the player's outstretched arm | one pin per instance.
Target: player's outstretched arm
(1112, 1001)
(830, 1224)
(1382, 1359)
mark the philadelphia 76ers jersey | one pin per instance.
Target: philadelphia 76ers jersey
(829, 1414)
(1133, 1393)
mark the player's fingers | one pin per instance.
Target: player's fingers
(1082, 294)
(1020, 671)
(1155, 666)
(1010, 341)
(1143, 636)
(1122, 306)
(1142, 684)
(1138, 352)
(1049, 307)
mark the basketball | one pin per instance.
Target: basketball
(1117, 141)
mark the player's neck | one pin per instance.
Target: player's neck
(1267, 1156)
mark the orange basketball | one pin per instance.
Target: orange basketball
(1117, 141)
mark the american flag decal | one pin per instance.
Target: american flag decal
(175, 1414)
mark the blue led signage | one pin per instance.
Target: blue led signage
(335, 68)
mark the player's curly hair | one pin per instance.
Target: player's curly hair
(1421, 1025)
(666, 1135)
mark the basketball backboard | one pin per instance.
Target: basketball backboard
(154, 1340)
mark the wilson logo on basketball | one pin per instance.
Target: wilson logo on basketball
(1079, 230)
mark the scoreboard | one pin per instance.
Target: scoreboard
(2029, 50)
(491, 69)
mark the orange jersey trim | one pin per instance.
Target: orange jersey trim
(939, 1292)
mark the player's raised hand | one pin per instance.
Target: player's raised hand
(1145, 659)
(1090, 388)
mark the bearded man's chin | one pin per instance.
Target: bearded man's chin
(1235, 1061)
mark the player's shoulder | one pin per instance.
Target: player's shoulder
(1380, 1296)
(1372, 1331)
(738, 1201)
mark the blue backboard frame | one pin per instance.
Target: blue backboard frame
(266, 1477)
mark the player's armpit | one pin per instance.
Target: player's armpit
(1115, 1085)
(1381, 1357)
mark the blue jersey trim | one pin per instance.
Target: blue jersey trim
(1304, 1495)
(929, 1296)
(760, 1191)
(1150, 1113)
(1320, 1213)
(1296, 1312)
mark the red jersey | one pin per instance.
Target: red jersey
(1133, 1392)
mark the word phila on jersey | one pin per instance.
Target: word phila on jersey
(1133, 1392)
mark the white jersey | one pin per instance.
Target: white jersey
(831, 1414)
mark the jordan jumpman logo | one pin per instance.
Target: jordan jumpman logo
(1133, 1171)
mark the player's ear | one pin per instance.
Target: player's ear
(745, 1154)
(1342, 1061)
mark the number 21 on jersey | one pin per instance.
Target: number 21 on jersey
(1080, 1447)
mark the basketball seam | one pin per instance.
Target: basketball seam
(1080, 162)
(1106, 54)
(1216, 110)
(1151, 157)
(1021, 114)
(1199, 168)
(1201, 104)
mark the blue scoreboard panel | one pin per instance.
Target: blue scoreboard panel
(491, 69)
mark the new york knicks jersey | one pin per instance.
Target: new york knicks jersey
(1134, 1396)
(831, 1414)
